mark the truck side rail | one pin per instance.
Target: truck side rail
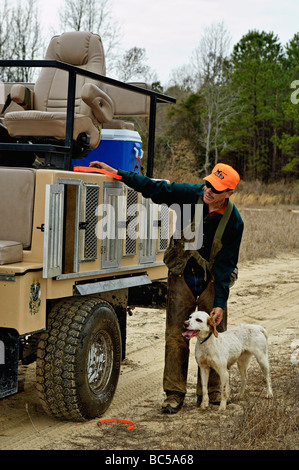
(73, 71)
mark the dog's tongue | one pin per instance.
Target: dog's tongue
(190, 333)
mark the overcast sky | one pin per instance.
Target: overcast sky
(169, 30)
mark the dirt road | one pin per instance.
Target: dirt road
(266, 293)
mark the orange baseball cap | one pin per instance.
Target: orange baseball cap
(223, 177)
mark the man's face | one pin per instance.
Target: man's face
(210, 197)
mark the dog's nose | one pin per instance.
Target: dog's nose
(186, 323)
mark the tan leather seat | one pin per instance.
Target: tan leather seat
(47, 118)
(10, 252)
(17, 191)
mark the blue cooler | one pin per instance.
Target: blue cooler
(119, 148)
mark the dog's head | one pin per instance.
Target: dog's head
(199, 323)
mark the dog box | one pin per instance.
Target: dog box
(119, 148)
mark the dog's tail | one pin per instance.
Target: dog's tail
(264, 331)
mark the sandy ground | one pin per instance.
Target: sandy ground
(266, 293)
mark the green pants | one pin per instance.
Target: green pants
(180, 304)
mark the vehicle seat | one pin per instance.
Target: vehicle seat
(17, 192)
(47, 118)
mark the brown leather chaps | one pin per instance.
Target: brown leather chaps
(180, 304)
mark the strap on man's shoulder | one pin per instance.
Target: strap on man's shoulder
(224, 219)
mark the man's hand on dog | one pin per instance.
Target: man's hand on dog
(217, 314)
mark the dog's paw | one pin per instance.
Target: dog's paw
(204, 404)
(222, 407)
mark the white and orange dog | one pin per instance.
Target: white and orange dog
(220, 350)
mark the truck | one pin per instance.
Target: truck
(77, 246)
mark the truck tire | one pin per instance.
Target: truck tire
(78, 359)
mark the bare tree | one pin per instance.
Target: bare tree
(132, 66)
(209, 63)
(94, 16)
(20, 38)
(183, 77)
(27, 36)
(208, 58)
(5, 22)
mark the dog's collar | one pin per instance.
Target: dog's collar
(206, 338)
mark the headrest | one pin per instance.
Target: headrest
(76, 48)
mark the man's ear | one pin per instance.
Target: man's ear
(229, 193)
(212, 325)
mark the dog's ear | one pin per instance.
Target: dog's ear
(212, 325)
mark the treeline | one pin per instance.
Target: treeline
(242, 109)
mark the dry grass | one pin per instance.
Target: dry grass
(268, 231)
(255, 193)
(253, 424)
(264, 424)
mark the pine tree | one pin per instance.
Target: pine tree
(288, 141)
(256, 80)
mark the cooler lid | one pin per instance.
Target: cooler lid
(120, 134)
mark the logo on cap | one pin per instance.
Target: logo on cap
(218, 173)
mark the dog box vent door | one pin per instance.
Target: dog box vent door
(163, 228)
(148, 225)
(111, 226)
(53, 230)
(131, 229)
(88, 222)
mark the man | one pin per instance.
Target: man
(206, 273)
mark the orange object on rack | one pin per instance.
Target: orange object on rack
(92, 169)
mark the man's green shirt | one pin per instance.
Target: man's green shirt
(162, 192)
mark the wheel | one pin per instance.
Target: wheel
(78, 359)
